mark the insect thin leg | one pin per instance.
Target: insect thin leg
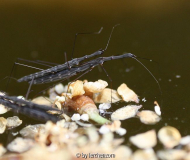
(29, 88)
(45, 62)
(83, 33)
(9, 78)
(110, 36)
(28, 66)
(66, 60)
(108, 77)
(36, 62)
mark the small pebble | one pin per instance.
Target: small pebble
(169, 136)
(148, 117)
(157, 110)
(75, 117)
(59, 88)
(178, 76)
(13, 122)
(84, 117)
(3, 123)
(2, 150)
(21, 97)
(125, 112)
(185, 140)
(20, 145)
(14, 134)
(144, 140)
(60, 98)
(144, 100)
(172, 154)
(3, 109)
(95, 87)
(105, 106)
(121, 131)
(104, 130)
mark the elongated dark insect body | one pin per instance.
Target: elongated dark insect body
(28, 108)
(60, 67)
(67, 73)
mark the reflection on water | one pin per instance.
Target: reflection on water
(157, 31)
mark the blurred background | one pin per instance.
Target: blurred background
(157, 30)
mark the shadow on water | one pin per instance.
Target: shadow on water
(155, 30)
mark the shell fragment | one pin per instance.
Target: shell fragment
(3, 109)
(127, 94)
(95, 87)
(32, 130)
(20, 145)
(3, 123)
(125, 112)
(107, 96)
(148, 117)
(169, 136)
(76, 88)
(13, 122)
(144, 140)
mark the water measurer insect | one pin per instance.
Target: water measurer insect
(30, 109)
(51, 72)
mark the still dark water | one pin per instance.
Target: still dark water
(154, 30)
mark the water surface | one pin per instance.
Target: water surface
(154, 30)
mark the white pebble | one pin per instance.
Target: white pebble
(21, 97)
(75, 117)
(157, 110)
(84, 117)
(105, 106)
(104, 129)
(185, 140)
(14, 134)
(121, 131)
(3, 109)
(144, 100)
(13, 122)
(2, 150)
(59, 88)
(2, 94)
(20, 145)
(52, 96)
(60, 99)
(144, 140)
(178, 76)
(125, 112)
(102, 111)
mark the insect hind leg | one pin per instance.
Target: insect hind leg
(17, 63)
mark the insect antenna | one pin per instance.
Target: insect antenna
(148, 59)
(150, 74)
